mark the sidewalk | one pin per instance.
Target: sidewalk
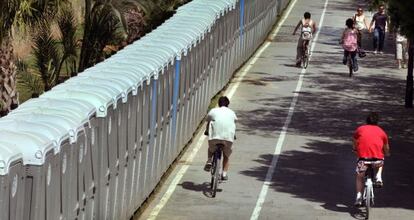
(314, 173)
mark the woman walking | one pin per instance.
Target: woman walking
(361, 24)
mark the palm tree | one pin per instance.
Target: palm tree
(17, 13)
(8, 92)
(51, 54)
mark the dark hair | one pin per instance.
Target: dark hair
(223, 101)
(307, 15)
(372, 118)
(349, 23)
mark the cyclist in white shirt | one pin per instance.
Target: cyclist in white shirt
(308, 28)
(221, 129)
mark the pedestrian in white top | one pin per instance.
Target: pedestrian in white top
(221, 129)
(361, 24)
(401, 50)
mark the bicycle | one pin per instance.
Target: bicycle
(305, 54)
(368, 195)
(216, 168)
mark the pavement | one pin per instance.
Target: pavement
(292, 158)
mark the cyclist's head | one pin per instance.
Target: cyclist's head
(349, 23)
(223, 101)
(307, 15)
(372, 118)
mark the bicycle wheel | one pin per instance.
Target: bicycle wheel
(368, 199)
(305, 56)
(305, 61)
(215, 175)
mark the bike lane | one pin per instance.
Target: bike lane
(313, 176)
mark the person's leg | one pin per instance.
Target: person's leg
(375, 39)
(210, 152)
(226, 158)
(359, 182)
(225, 163)
(398, 54)
(345, 58)
(226, 155)
(354, 60)
(381, 40)
(378, 176)
(359, 39)
(211, 149)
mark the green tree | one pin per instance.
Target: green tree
(103, 19)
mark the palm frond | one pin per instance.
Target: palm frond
(102, 30)
(30, 83)
(8, 10)
(67, 26)
(46, 55)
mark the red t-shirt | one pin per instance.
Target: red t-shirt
(370, 140)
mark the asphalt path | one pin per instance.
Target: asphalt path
(292, 158)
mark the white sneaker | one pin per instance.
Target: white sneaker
(381, 52)
(375, 51)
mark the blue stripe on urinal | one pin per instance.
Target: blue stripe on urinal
(154, 108)
(175, 99)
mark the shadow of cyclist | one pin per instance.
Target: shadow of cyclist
(204, 188)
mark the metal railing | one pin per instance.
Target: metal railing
(96, 146)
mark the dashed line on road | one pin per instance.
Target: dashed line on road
(269, 175)
(232, 89)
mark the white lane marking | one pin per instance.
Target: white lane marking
(256, 56)
(232, 90)
(271, 170)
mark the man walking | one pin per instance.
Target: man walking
(380, 20)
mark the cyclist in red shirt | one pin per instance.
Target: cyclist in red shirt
(370, 144)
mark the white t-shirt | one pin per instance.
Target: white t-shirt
(360, 22)
(222, 124)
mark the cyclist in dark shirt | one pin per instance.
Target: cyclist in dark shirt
(380, 20)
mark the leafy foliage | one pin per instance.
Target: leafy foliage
(156, 11)
(67, 26)
(29, 82)
(8, 10)
(401, 15)
(47, 56)
(101, 29)
(373, 4)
